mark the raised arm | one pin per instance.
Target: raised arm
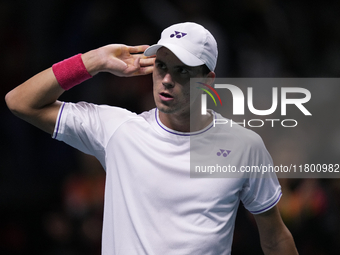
(275, 237)
(36, 100)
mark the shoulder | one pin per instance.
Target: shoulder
(99, 118)
(92, 111)
(88, 118)
(148, 115)
(110, 116)
(91, 107)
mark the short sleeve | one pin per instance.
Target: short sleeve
(88, 127)
(261, 191)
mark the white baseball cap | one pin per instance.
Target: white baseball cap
(190, 42)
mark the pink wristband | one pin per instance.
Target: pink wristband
(70, 72)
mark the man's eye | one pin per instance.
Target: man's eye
(160, 65)
(182, 71)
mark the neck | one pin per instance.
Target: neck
(183, 123)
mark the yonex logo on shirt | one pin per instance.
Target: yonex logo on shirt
(225, 153)
(178, 34)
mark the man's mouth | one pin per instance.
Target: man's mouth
(165, 96)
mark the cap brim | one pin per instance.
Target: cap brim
(183, 55)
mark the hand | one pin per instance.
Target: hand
(119, 59)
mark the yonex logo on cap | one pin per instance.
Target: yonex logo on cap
(200, 49)
(178, 34)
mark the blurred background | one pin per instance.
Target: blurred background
(51, 196)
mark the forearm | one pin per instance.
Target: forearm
(35, 100)
(275, 237)
(43, 89)
(35, 93)
(282, 245)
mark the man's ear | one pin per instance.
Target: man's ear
(210, 78)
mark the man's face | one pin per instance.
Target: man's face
(171, 82)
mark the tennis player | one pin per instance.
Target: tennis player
(152, 206)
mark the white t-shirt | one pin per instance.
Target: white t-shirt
(152, 206)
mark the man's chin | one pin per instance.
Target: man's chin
(171, 108)
(167, 110)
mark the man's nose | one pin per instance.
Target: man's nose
(168, 81)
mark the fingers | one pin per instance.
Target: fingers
(136, 63)
(147, 61)
(144, 66)
(146, 70)
(138, 48)
(143, 71)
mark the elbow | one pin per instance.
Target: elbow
(9, 101)
(13, 104)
